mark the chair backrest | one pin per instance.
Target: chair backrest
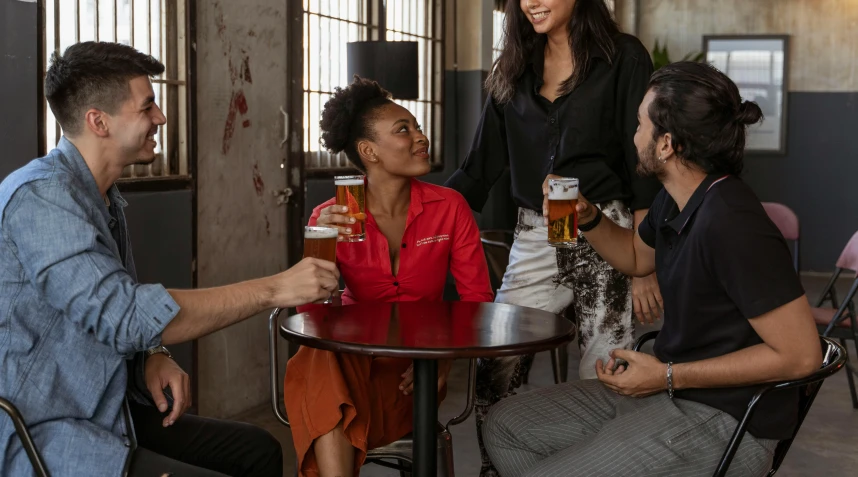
(26, 440)
(784, 218)
(496, 245)
(833, 359)
(849, 257)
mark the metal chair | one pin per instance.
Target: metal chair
(787, 222)
(400, 451)
(26, 440)
(833, 359)
(839, 321)
(497, 245)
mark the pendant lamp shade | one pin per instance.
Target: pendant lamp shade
(393, 64)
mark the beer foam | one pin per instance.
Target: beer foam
(563, 192)
(348, 182)
(320, 233)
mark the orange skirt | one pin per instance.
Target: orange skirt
(323, 388)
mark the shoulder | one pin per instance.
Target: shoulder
(732, 209)
(45, 177)
(630, 48)
(451, 198)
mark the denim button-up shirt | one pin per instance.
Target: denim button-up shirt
(72, 318)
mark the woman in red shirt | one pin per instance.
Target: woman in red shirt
(341, 405)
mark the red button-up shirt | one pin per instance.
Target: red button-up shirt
(440, 235)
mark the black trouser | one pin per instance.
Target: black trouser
(200, 447)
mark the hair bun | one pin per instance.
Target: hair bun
(344, 107)
(749, 113)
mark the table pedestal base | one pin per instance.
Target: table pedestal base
(425, 417)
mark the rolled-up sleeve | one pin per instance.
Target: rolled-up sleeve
(486, 160)
(71, 264)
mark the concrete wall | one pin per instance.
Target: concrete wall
(241, 71)
(820, 166)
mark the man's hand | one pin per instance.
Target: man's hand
(161, 371)
(407, 384)
(642, 376)
(310, 281)
(586, 210)
(646, 299)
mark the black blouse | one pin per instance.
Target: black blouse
(588, 134)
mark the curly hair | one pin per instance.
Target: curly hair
(93, 75)
(347, 117)
(702, 110)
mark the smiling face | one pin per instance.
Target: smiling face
(398, 146)
(134, 125)
(548, 16)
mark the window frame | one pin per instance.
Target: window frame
(434, 78)
(185, 131)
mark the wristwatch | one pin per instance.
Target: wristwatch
(158, 350)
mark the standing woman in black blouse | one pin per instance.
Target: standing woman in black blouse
(563, 100)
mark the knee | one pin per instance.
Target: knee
(496, 424)
(264, 452)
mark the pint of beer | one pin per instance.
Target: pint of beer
(321, 243)
(352, 193)
(562, 212)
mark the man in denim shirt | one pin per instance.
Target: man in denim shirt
(74, 321)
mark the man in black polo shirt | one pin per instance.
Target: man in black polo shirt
(735, 312)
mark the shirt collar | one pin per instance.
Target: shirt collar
(679, 222)
(421, 194)
(81, 171)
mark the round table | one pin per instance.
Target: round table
(426, 332)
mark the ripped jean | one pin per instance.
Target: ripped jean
(552, 279)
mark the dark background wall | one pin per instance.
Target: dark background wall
(818, 176)
(19, 79)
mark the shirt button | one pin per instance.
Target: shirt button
(396, 284)
(552, 158)
(403, 245)
(552, 120)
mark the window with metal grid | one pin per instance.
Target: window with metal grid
(155, 27)
(329, 25)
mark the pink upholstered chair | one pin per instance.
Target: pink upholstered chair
(787, 222)
(839, 321)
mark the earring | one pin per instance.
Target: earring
(663, 161)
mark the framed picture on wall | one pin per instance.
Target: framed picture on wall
(758, 64)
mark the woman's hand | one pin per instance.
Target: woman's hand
(334, 217)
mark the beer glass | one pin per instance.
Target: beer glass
(562, 212)
(352, 193)
(321, 243)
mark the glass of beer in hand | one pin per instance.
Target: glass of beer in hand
(351, 192)
(562, 212)
(321, 243)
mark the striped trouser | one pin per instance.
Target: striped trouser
(584, 429)
(540, 276)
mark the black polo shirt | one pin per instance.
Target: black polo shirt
(588, 133)
(720, 263)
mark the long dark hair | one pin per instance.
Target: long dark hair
(591, 26)
(702, 110)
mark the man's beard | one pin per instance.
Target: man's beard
(648, 165)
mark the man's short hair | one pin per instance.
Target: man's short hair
(93, 75)
(702, 110)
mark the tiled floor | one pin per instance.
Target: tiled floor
(825, 446)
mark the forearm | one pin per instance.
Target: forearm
(205, 311)
(752, 365)
(616, 245)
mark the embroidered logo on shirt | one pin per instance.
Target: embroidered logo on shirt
(435, 239)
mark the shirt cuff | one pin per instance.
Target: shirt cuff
(472, 190)
(156, 308)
